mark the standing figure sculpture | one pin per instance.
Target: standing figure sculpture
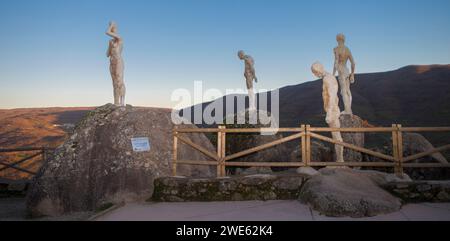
(116, 64)
(331, 104)
(250, 76)
(342, 55)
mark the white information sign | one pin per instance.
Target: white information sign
(140, 144)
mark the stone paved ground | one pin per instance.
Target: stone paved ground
(14, 209)
(261, 211)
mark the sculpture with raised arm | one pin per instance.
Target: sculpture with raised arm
(342, 55)
(330, 104)
(116, 67)
(250, 76)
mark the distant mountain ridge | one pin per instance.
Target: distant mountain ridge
(416, 95)
(412, 96)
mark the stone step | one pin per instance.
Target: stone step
(239, 188)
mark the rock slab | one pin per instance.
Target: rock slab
(348, 193)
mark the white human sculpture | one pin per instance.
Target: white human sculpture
(116, 67)
(331, 104)
(249, 75)
(342, 55)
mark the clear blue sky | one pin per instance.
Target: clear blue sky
(52, 52)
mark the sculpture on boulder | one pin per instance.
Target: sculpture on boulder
(331, 104)
(342, 55)
(116, 68)
(249, 75)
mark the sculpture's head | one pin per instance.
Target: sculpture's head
(241, 54)
(318, 70)
(113, 26)
(340, 38)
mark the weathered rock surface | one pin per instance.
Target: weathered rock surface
(241, 188)
(243, 141)
(345, 192)
(421, 191)
(253, 171)
(324, 152)
(307, 171)
(414, 143)
(319, 153)
(97, 164)
(357, 139)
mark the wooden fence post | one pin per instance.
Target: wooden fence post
(223, 154)
(400, 151)
(303, 145)
(44, 155)
(308, 145)
(175, 152)
(395, 147)
(219, 151)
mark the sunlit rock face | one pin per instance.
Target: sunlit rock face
(97, 165)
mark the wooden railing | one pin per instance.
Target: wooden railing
(41, 152)
(305, 133)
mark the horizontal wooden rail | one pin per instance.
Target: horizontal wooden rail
(426, 165)
(201, 163)
(264, 164)
(17, 168)
(352, 164)
(353, 147)
(198, 148)
(372, 129)
(23, 160)
(23, 149)
(427, 153)
(425, 129)
(196, 130)
(263, 147)
(239, 130)
(305, 133)
(38, 151)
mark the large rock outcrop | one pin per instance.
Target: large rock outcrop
(347, 192)
(97, 165)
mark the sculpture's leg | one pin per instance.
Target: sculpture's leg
(349, 98)
(251, 99)
(338, 137)
(116, 95)
(344, 84)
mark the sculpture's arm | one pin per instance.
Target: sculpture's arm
(110, 33)
(251, 65)
(114, 35)
(108, 53)
(254, 72)
(336, 61)
(326, 97)
(352, 61)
